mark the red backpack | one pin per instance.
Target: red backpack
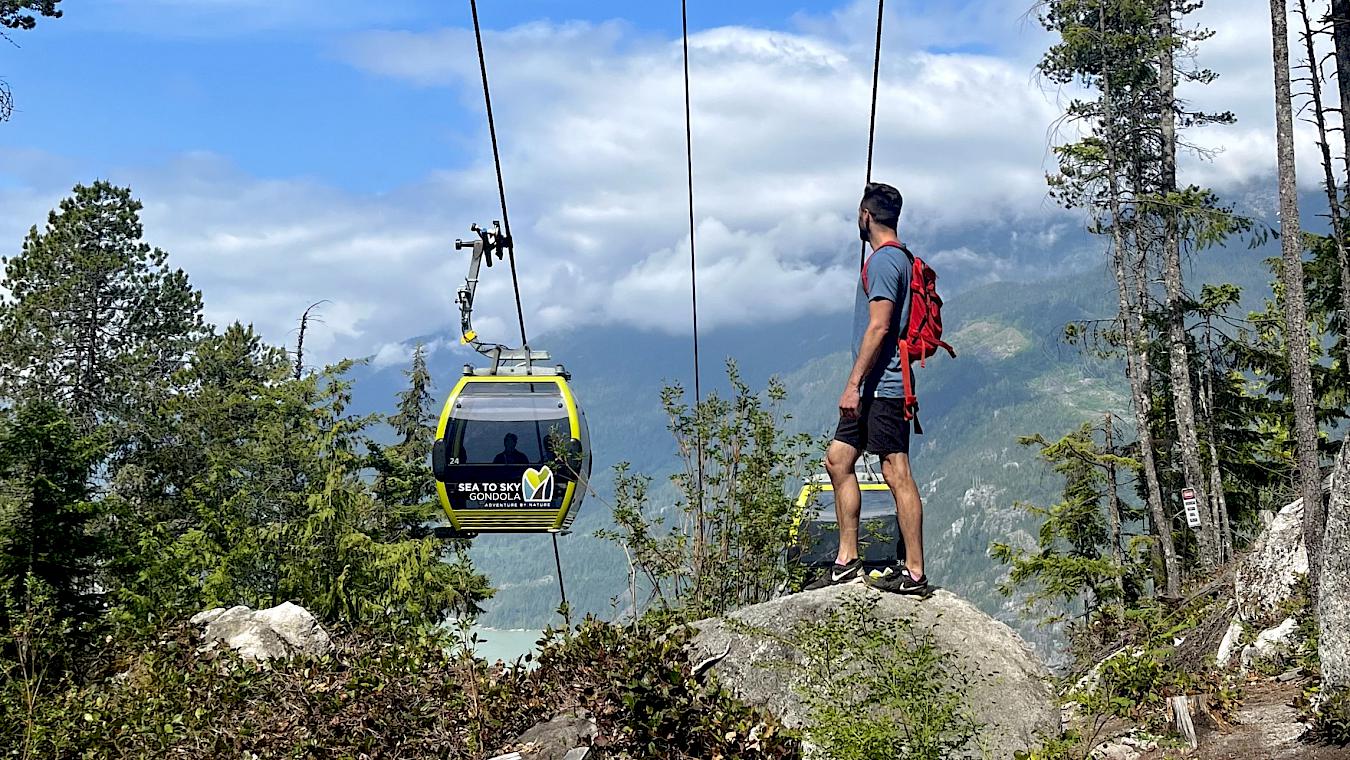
(923, 337)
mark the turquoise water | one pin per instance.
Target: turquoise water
(498, 644)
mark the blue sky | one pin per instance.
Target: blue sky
(289, 152)
(266, 85)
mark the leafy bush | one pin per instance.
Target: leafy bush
(736, 501)
(1331, 721)
(647, 701)
(374, 695)
(878, 688)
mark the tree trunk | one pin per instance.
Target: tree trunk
(1113, 507)
(1333, 606)
(1295, 310)
(1137, 367)
(1340, 32)
(1179, 361)
(1329, 174)
(1136, 350)
(1216, 490)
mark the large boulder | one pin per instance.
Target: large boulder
(1273, 646)
(1265, 579)
(1333, 604)
(283, 631)
(752, 652)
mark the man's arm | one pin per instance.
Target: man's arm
(878, 324)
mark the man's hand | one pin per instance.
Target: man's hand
(849, 403)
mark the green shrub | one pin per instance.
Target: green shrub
(375, 695)
(1331, 721)
(878, 689)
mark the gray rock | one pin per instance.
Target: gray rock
(563, 737)
(1333, 604)
(208, 616)
(1272, 645)
(1116, 750)
(1123, 748)
(283, 631)
(1009, 691)
(1228, 646)
(1265, 578)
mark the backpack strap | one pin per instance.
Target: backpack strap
(911, 402)
(891, 244)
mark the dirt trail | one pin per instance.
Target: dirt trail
(1267, 728)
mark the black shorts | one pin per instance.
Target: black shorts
(880, 427)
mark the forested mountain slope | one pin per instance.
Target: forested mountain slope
(1013, 377)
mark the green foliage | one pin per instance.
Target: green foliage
(404, 486)
(1134, 683)
(1065, 747)
(878, 689)
(282, 510)
(723, 546)
(1072, 561)
(95, 319)
(48, 530)
(23, 14)
(377, 696)
(35, 649)
(646, 699)
(1331, 721)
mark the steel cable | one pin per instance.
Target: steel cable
(501, 185)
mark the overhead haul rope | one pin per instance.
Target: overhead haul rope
(497, 161)
(693, 260)
(872, 124)
(511, 254)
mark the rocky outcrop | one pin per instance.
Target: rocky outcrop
(1272, 646)
(752, 652)
(1333, 606)
(567, 736)
(1265, 579)
(283, 631)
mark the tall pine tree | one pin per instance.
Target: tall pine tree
(95, 319)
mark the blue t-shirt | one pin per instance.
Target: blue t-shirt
(888, 274)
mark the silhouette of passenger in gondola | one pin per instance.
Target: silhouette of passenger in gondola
(510, 455)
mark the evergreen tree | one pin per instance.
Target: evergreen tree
(95, 319)
(1073, 561)
(280, 507)
(404, 485)
(48, 525)
(23, 14)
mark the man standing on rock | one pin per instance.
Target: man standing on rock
(872, 407)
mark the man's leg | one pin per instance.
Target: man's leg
(908, 507)
(840, 459)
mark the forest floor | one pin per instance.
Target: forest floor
(1267, 728)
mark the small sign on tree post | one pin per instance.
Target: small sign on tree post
(1192, 507)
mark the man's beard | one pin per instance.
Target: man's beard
(862, 234)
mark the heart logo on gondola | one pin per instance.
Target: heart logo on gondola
(537, 485)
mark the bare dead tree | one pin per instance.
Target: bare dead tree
(305, 319)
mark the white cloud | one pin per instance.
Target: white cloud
(591, 122)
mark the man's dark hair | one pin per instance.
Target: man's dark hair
(883, 202)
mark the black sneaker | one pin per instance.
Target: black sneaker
(902, 583)
(838, 575)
